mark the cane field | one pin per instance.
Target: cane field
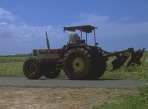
(11, 66)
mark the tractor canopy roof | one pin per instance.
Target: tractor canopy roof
(83, 28)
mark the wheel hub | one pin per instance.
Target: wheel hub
(33, 67)
(78, 65)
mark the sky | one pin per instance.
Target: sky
(121, 24)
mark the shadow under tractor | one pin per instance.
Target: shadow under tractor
(78, 59)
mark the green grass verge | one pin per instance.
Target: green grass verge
(139, 101)
(11, 66)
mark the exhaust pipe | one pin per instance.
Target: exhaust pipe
(47, 41)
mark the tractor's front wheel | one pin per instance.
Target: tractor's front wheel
(32, 68)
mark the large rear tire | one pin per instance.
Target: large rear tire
(77, 64)
(99, 66)
(32, 68)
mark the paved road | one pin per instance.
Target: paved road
(114, 83)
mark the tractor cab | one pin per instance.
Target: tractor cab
(75, 39)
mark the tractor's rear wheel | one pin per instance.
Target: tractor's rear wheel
(99, 67)
(32, 68)
(50, 70)
(77, 64)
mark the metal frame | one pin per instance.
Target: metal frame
(83, 28)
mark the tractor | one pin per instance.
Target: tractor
(79, 60)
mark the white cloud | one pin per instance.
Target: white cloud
(125, 30)
(125, 18)
(26, 33)
(91, 19)
(14, 34)
(109, 28)
(20, 31)
(28, 37)
(3, 23)
(6, 15)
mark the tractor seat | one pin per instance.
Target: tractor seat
(81, 41)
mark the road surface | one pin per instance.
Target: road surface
(114, 83)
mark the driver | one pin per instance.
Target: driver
(73, 38)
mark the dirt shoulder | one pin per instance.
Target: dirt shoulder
(59, 98)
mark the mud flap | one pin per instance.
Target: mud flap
(120, 60)
(135, 57)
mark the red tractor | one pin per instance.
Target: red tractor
(77, 59)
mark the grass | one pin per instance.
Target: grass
(139, 101)
(11, 66)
